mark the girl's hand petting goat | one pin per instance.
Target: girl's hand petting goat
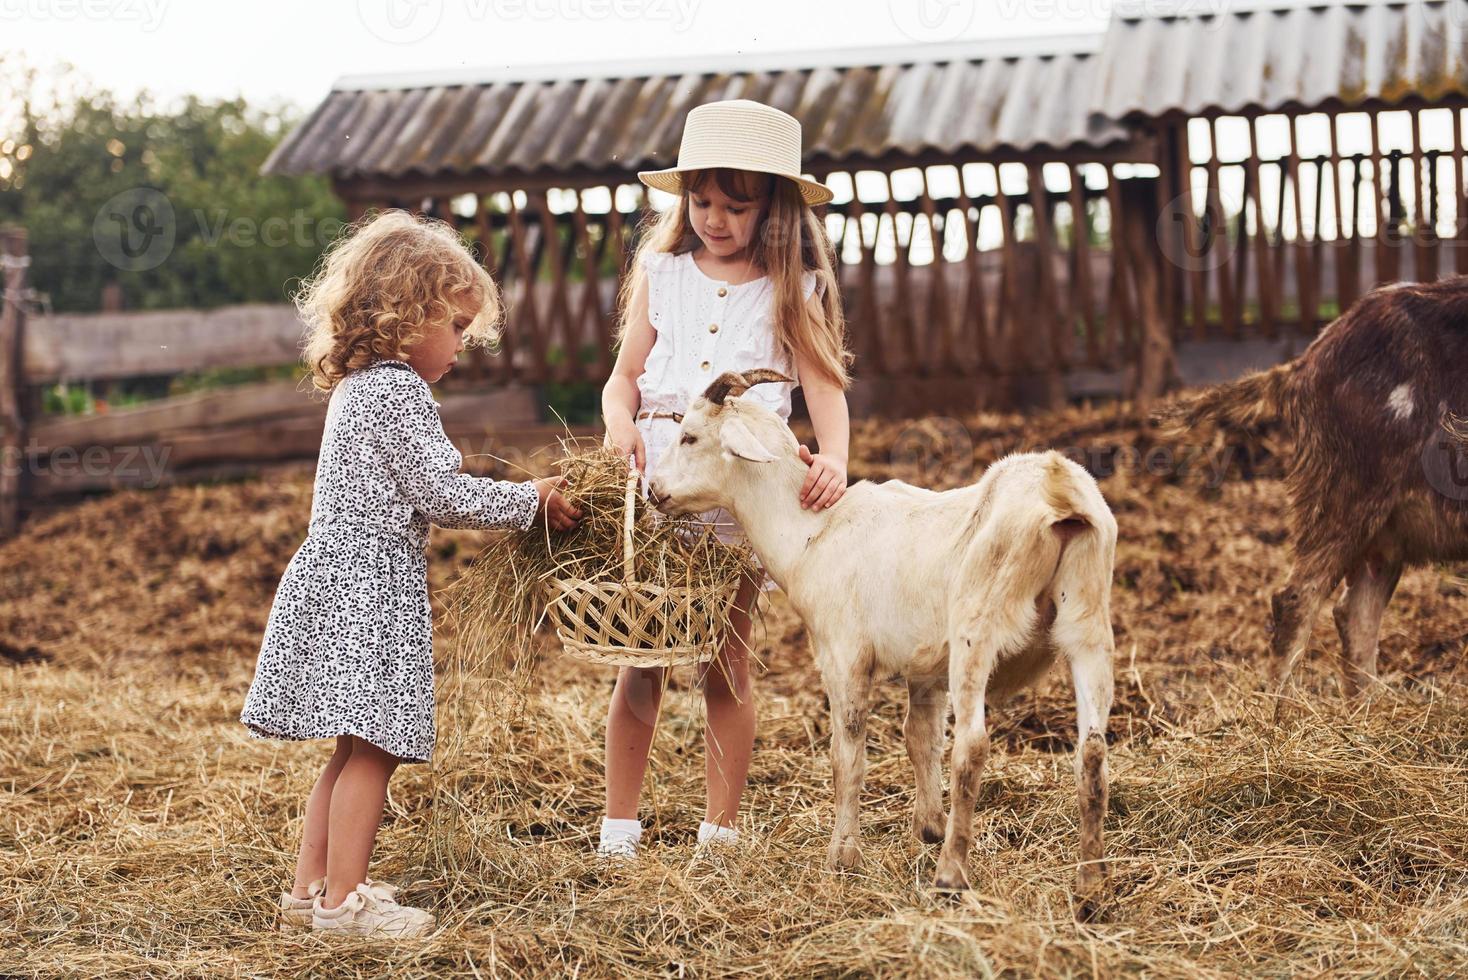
(825, 483)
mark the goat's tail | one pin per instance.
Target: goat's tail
(1247, 403)
(1056, 551)
(1058, 488)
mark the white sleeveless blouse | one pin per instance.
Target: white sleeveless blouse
(705, 327)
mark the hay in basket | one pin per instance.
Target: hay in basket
(655, 593)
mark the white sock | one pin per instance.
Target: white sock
(713, 832)
(613, 831)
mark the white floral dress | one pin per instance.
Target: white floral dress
(348, 648)
(705, 327)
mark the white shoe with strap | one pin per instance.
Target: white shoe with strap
(295, 913)
(371, 909)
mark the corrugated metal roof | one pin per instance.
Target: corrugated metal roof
(853, 105)
(1204, 56)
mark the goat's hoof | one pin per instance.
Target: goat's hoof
(1090, 893)
(929, 831)
(844, 855)
(951, 880)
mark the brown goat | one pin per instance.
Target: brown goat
(1378, 479)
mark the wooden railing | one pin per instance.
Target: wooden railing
(225, 432)
(1280, 239)
(995, 286)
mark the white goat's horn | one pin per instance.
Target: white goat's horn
(733, 384)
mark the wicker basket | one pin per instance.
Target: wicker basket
(635, 624)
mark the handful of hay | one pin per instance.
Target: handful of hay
(649, 592)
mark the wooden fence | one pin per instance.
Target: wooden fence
(1064, 299)
(972, 294)
(222, 433)
(1279, 241)
(1025, 281)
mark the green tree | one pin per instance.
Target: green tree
(68, 149)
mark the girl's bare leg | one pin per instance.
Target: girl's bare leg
(356, 813)
(729, 708)
(630, 720)
(311, 862)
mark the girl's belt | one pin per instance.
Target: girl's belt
(675, 416)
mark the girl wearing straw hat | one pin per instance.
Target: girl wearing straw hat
(736, 274)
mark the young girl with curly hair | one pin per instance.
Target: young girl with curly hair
(348, 648)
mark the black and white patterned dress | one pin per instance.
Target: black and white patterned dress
(348, 648)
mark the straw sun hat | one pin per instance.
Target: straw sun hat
(741, 135)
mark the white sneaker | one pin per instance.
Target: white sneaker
(619, 839)
(371, 910)
(617, 849)
(295, 913)
(712, 835)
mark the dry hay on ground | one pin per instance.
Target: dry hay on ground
(141, 829)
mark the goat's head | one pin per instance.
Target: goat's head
(721, 437)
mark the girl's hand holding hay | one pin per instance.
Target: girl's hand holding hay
(559, 513)
(624, 436)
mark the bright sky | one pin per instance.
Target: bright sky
(294, 49)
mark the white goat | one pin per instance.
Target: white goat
(972, 591)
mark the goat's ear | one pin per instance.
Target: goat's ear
(737, 439)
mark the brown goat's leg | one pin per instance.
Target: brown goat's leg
(927, 703)
(1091, 672)
(969, 666)
(1294, 608)
(1369, 588)
(848, 689)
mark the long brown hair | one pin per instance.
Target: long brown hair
(789, 240)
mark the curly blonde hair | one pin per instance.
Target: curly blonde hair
(382, 285)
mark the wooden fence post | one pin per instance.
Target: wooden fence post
(1156, 367)
(14, 259)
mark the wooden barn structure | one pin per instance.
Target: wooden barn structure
(1186, 194)
(1315, 150)
(1018, 221)
(972, 184)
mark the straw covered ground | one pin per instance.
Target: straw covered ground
(142, 830)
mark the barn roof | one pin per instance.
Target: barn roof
(1196, 57)
(612, 119)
